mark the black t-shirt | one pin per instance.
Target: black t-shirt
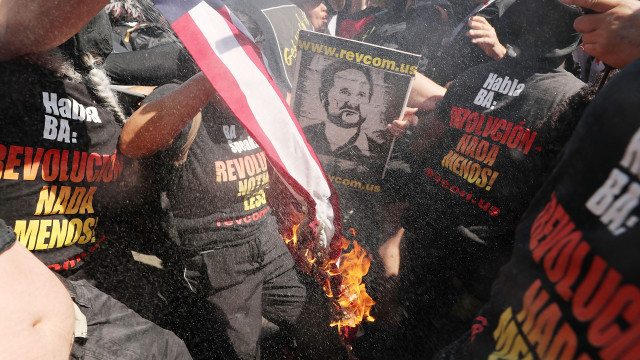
(274, 24)
(58, 164)
(7, 237)
(492, 157)
(217, 195)
(571, 288)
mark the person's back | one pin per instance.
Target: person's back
(477, 179)
(61, 173)
(565, 244)
(571, 281)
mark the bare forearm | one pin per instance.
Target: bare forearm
(37, 25)
(392, 231)
(425, 93)
(154, 125)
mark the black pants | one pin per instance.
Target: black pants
(115, 332)
(445, 278)
(242, 284)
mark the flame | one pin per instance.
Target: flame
(354, 301)
(294, 238)
(342, 284)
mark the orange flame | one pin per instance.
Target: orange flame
(354, 301)
(294, 238)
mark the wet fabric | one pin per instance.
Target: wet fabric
(151, 66)
(452, 54)
(494, 153)
(470, 190)
(245, 283)
(95, 37)
(225, 175)
(230, 253)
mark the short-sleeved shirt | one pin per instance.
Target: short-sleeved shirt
(217, 195)
(58, 164)
(492, 157)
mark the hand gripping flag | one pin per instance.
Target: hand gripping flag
(227, 55)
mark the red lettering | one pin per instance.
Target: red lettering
(31, 163)
(624, 308)
(590, 298)
(12, 162)
(51, 165)
(94, 160)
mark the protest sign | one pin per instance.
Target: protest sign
(345, 94)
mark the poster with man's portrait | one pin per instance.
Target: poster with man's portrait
(345, 94)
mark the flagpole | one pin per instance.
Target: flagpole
(393, 142)
(386, 164)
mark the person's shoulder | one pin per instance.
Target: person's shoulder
(560, 80)
(160, 91)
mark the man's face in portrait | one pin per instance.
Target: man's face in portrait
(342, 104)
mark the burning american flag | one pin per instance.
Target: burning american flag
(227, 55)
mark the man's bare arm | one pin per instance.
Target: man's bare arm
(154, 125)
(32, 26)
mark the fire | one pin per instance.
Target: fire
(294, 238)
(341, 281)
(355, 303)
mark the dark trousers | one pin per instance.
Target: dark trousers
(242, 284)
(444, 280)
(115, 332)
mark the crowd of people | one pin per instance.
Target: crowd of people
(504, 228)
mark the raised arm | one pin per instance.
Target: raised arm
(154, 125)
(484, 35)
(425, 93)
(33, 26)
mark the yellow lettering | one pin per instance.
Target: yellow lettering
(27, 235)
(60, 206)
(43, 234)
(58, 233)
(87, 202)
(46, 201)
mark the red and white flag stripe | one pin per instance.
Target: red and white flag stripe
(227, 55)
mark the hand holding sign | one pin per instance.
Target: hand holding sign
(398, 127)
